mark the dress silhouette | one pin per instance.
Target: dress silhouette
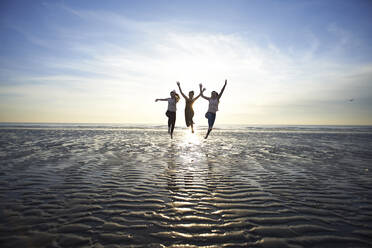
(189, 111)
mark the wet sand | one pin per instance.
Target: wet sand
(129, 187)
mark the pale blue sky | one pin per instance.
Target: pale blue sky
(287, 62)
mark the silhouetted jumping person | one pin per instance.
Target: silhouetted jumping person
(171, 112)
(189, 111)
(214, 100)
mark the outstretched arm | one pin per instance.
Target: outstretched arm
(222, 90)
(161, 99)
(201, 92)
(179, 87)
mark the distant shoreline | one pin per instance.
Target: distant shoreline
(162, 127)
(160, 124)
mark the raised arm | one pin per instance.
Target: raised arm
(179, 87)
(201, 92)
(222, 90)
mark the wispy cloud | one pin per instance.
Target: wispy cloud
(105, 68)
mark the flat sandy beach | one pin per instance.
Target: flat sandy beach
(134, 187)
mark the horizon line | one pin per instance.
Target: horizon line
(141, 123)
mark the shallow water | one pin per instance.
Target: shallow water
(115, 186)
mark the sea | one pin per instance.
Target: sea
(111, 185)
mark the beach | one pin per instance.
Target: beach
(132, 186)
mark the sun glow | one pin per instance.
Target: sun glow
(191, 147)
(132, 61)
(190, 138)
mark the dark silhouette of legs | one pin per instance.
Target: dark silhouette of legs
(189, 114)
(209, 130)
(211, 118)
(171, 122)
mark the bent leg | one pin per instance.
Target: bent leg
(211, 118)
(168, 114)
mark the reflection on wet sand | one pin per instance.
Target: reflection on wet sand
(129, 187)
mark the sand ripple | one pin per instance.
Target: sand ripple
(133, 188)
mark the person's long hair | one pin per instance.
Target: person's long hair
(177, 97)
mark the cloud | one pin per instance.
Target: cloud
(103, 68)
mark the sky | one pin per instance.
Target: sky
(286, 62)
